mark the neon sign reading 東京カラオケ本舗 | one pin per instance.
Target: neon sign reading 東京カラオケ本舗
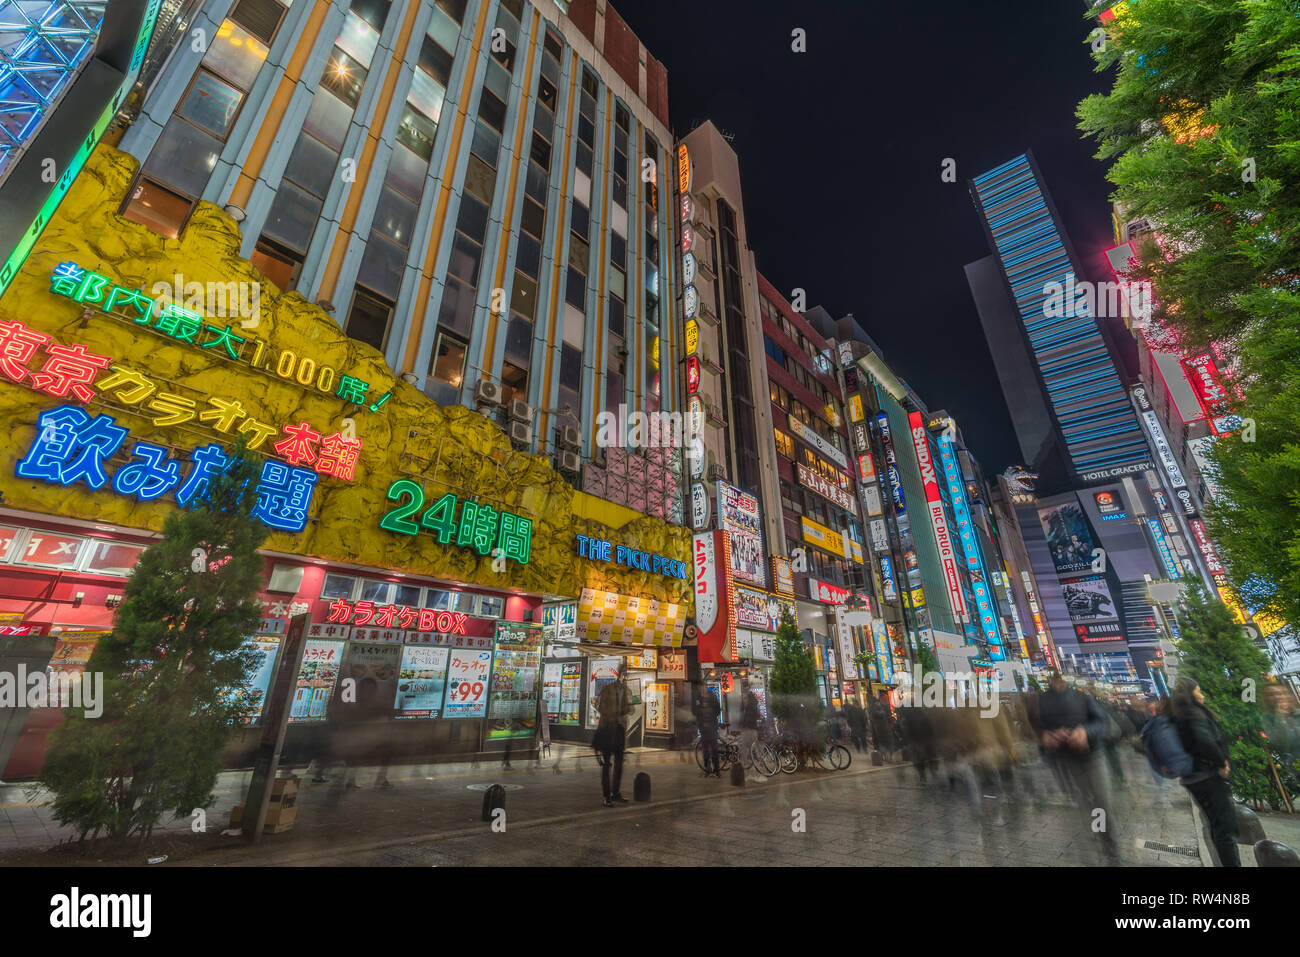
(70, 371)
(71, 447)
(184, 325)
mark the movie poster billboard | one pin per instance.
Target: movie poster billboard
(739, 517)
(1069, 538)
(1088, 598)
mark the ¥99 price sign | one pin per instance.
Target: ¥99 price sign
(467, 684)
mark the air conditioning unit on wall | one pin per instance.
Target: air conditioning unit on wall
(488, 392)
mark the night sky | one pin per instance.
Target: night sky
(841, 147)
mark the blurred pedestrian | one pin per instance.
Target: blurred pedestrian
(882, 725)
(1202, 736)
(857, 718)
(1072, 729)
(614, 705)
(707, 710)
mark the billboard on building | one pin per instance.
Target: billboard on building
(739, 516)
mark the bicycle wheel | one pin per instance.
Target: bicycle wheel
(788, 760)
(840, 757)
(765, 759)
(699, 756)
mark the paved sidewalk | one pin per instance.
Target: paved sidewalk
(865, 815)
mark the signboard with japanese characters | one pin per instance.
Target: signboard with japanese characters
(825, 488)
(422, 681)
(738, 516)
(321, 661)
(467, 683)
(605, 617)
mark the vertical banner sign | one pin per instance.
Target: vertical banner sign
(715, 609)
(987, 614)
(1167, 458)
(891, 464)
(938, 520)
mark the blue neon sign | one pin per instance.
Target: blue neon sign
(71, 447)
(988, 620)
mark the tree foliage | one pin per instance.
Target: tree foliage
(1223, 660)
(170, 669)
(793, 683)
(1202, 126)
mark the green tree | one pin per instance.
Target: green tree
(1202, 126)
(1222, 659)
(170, 668)
(926, 658)
(793, 683)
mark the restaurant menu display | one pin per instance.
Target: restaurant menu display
(467, 682)
(551, 691)
(373, 668)
(251, 698)
(515, 671)
(570, 692)
(421, 681)
(321, 661)
(658, 714)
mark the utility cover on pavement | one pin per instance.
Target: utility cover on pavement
(484, 787)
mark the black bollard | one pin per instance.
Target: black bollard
(493, 798)
(1249, 830)
(641, 787)
(1275, 854)
(738, 775)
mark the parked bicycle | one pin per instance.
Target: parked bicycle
(728, 752)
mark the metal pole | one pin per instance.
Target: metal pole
(275, 722)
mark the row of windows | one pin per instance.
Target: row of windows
(821, 424)
(42, 548)
(349, 588)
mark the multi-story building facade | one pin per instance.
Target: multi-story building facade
(820, 512)
(1084, 428)
(431, 205)
(473, 187)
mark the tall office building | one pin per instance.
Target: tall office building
(1102, 522)
(473, 187)
(1071, 412)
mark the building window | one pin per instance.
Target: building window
(514, 383)
(337, 586)
(153, 205)
(261, 18)
(277, 263)
(784, 444)
(368, 319)
(449, 360)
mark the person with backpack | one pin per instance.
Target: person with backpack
(1206, 744)
(613, 705)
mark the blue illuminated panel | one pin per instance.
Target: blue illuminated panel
(1085, 392)
(984, 607)
(41, 47)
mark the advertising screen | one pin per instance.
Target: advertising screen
(1069, 538)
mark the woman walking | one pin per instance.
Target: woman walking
(1198, 727)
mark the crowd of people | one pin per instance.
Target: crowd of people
(1078, 732)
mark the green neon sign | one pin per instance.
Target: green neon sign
(481, 526)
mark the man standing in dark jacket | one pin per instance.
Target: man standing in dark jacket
(1071, 729)
(1208, 782)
